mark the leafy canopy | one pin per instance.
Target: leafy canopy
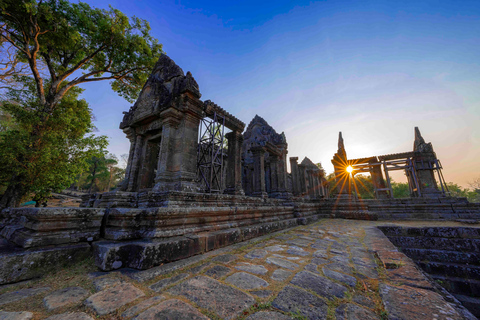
(51, 159)
(78, 44)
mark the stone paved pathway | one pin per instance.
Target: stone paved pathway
(333, 269)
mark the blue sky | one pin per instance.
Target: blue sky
(371, 69)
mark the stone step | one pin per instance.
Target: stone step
(459, 244)
(433, 255)
(451, 269)
(471, 303)
(458, 285)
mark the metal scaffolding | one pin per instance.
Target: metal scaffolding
(210, 153)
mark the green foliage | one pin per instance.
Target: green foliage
(102, 173)
(400, 189)
(364, 187)
(66, 37)
(42, 156)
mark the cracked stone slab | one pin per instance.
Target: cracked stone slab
(252, 268)
(217, 272)
(63, 297)
(346, 279)
(350, 311)
(246, 281)
(268, 315)
(318, 284)
(282, 263)
(319, 261)
(405, 302)
(70, 316)
(280, 275)
(368, 271)
(225, 258)
(285, 257)
(113, 298)
(364, 301)
(162, 284)
(210, 294)
(24, 315)
(295, 300)
(321, 254)
(341, 267)
(172, 309)
(20, 294)
(261, 293)
(256, 254)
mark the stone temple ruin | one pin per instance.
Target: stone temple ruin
(195, 181)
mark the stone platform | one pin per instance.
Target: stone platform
(332, 269)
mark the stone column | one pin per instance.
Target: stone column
(282, 174)
(274, 174)
(295, 177)
(131, 136)
(234, 165)
(135, 164)
(311, 184)
(316, 184)
(302, 174)
(259, 172)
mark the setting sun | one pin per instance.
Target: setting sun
(349, 169)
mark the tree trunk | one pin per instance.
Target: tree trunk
(12, 196)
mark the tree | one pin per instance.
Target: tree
(51, 159)
(76, 44)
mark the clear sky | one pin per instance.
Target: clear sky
(371, 69)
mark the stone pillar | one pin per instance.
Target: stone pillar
(177, 161)
(295, 177)
(311, 184)
(135, 164)
(258, 172)
(131, 136)
(303, 179)
(316, 183)
(274, 174)
(234, 165)
(378, 182)
(282, 174)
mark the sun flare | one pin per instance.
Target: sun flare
(349, 169)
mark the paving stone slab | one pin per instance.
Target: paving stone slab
(210, 294)
(405, 302)
(113, 298)
(280, 275)
(246, 281)
(369, 271)
(282, 263)
(300, 242)
(312, 268)
(225, 258)
(105, 282)
(172, 309)
(350, 311)
(319, 261)
(364, 301)
(252, 268)
(322, 244)
(261, 293)
(71, 316)
(341, 267)
(346, 279)
(268, 315)
(276, 248)
(142, 306)
(285, 257)
(256, 254)
(297, 252)
(162, 284)
(199, 268)
(20, 294)
(322, 253)
(218, 272)
(298, 301)
(63, 297)
(24, 315)
(320, 285)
